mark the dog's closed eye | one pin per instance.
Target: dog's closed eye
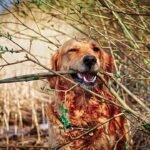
(96, 49)
(73, 50)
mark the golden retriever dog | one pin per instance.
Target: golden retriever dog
(79, 119)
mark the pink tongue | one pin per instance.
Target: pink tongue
(88, 76)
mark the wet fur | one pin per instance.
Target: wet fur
(84, 109)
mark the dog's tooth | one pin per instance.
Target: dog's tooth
(85, 80)
(79, 75)
(92, 80)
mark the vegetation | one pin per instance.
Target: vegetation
(32, 30)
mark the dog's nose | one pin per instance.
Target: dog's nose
(89, 60)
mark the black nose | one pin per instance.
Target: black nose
(89, 60)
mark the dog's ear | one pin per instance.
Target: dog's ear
(56, 61)
(55, 65)
(107, 63)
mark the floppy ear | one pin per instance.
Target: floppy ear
(55, 65)
(106, 61)
(56, 61)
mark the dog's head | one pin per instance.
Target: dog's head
(85, 57)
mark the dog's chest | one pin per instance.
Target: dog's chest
(89, 114)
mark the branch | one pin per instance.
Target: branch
(132, 13)
(52, 73)
(3, 6)
(125, 29)
(127, 91)
(123, 12)
(89, 131)
(31, 77)
(17, 62)
(122, 102)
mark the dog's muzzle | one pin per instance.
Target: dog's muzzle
(87, 77)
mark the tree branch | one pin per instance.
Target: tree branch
(14, 63)
(31, 77)
(89, 131)
(52, 73)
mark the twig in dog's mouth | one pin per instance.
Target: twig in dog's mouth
(35, 76)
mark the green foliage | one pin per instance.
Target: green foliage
(4, 49)
(24, 13)
(9, 36)
(147, 126)
(0, 34)
(64, 117)
(48, 89)
(37, 2)
(147, 61)
(42, 88)
(35, 77)
(126, 145)
(142, 85)
(16, 2)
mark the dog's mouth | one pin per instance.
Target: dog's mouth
(85, 79)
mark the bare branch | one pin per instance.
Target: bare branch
(31, 77)
(89, 131)
(17, 62)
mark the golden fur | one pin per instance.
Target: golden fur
(84, 110)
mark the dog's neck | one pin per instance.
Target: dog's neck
(78, 102)
(77, 95)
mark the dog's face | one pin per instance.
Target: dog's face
(83, 56)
